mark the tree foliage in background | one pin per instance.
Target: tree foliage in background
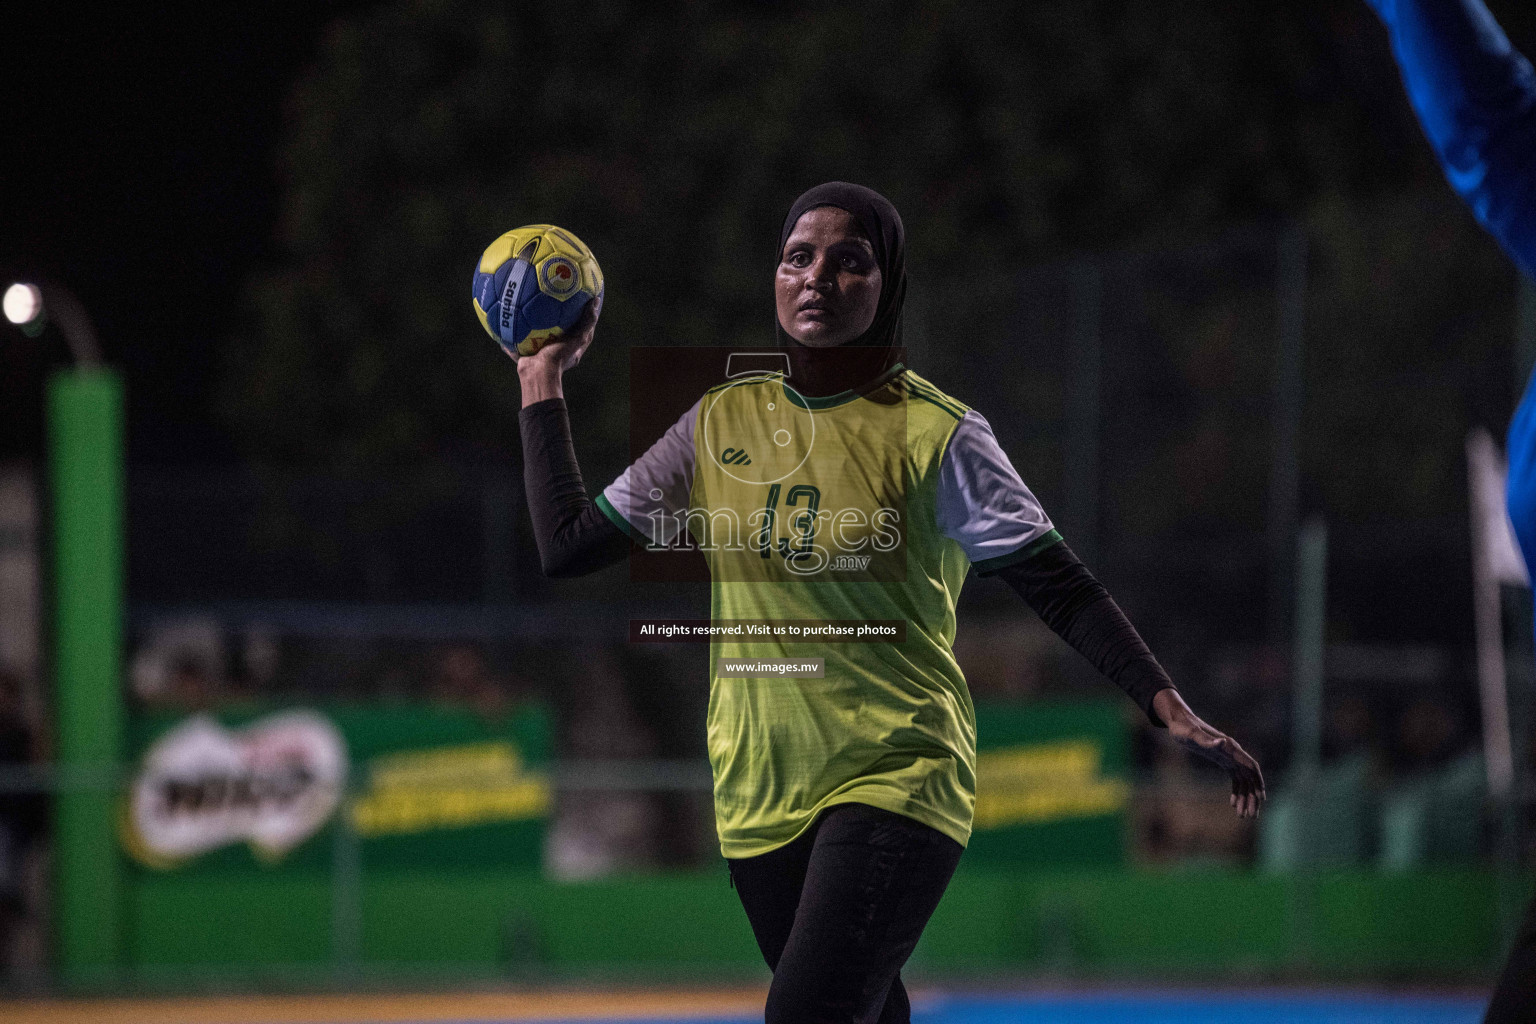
(672, 136)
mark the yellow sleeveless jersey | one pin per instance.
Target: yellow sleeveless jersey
(829, 509)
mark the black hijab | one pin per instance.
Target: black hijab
(828, 371)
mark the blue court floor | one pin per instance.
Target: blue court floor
(1187, 1008)
(1037, 1005)
(1172, 1007)
(1165, 1008)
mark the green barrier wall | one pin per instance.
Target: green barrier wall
(1424, 926)
(431, 882)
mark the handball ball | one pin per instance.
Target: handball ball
(532, 285)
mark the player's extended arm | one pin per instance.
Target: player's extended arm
(1075, 605)
(1476, 100)
(573, 535)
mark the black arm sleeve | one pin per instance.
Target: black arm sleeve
(573, 535)
(1061, 590)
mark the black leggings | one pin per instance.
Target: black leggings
(1514, 1000)
(838, 911)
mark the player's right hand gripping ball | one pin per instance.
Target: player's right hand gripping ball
(532, 285)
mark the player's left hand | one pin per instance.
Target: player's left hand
(1190, 732)
(563, 352)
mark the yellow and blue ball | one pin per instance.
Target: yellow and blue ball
(532, 284)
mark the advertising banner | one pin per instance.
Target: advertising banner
(262, 788)
(1052, 784)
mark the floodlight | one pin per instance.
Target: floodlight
(23, 303)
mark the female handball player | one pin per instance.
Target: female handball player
(850, 489)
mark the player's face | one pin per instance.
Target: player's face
(828, 285)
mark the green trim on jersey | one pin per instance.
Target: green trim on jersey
(842, 397)
(607, 509)
(928, 393)
(754, 378)
(830, 513)
(988, 566)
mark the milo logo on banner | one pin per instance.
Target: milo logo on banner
(272, 784)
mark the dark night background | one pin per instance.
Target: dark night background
(270, 212)
(138, 170)
(139, 166)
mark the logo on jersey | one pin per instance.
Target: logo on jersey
(762, 410)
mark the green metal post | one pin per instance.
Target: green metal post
(346, 892)
(1307, 675)
(1289, 400)
(85, 427)
(1308, 649)
(1086, 362)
